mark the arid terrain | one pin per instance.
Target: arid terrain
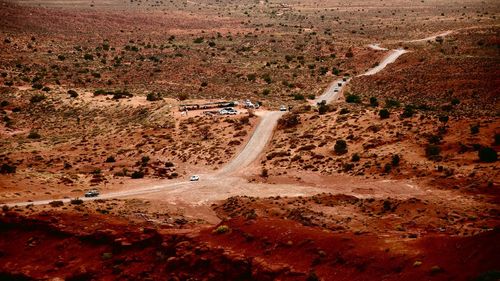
(372, 153)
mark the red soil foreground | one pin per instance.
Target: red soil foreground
(83, 247)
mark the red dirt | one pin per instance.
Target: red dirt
(95, 247)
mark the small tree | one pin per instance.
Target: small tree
(340, 147)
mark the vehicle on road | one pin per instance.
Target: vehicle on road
(228, 111)
(282, 108)
(194, 178)
(92, 193)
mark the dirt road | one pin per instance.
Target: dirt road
(255, 145)
(225, 182)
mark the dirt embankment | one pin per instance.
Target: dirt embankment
(102, 248)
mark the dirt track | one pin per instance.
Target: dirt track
(221, 184)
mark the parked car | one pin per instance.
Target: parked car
(92, 193)
(228, 111)
(282, 108)
(194, 178)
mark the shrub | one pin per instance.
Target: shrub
(340, 147)
(198, 40)
(57, 203)
(408, 112)
(251, 77)
(455, 101)
(387, 168)
(7, 169)
(444, 118)
(395, 160)
(355, 157)
(72, 93)
(298, 97)
(34, 135)
(61, 57)
(432, 150)
(137, 175)
(37, 86)
(88, 57)
(392, 103)
(182, 96)
(110, 159)
(474, 129)
(384, 113)
(344, 111)
(266, 92)
(37, 98)
(76, 201)
(351, 98)
(153, 97)
(373, 101)
(267, 78)
(221, 229)
(204, 84)
(264, 173)
(487, 154)
(497, 139)
(322, 108)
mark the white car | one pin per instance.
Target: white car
(92, 193)
(228, 111)
(194, 178)
(282, 108)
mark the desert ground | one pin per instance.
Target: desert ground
(372, 154)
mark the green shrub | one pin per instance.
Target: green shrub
(373, 102)
(221, 229)
(88, 57)
(198, 40)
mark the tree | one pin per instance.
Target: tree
(340, 147)
(488, 155)
(384, 113)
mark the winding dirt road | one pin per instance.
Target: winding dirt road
(225, 182)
